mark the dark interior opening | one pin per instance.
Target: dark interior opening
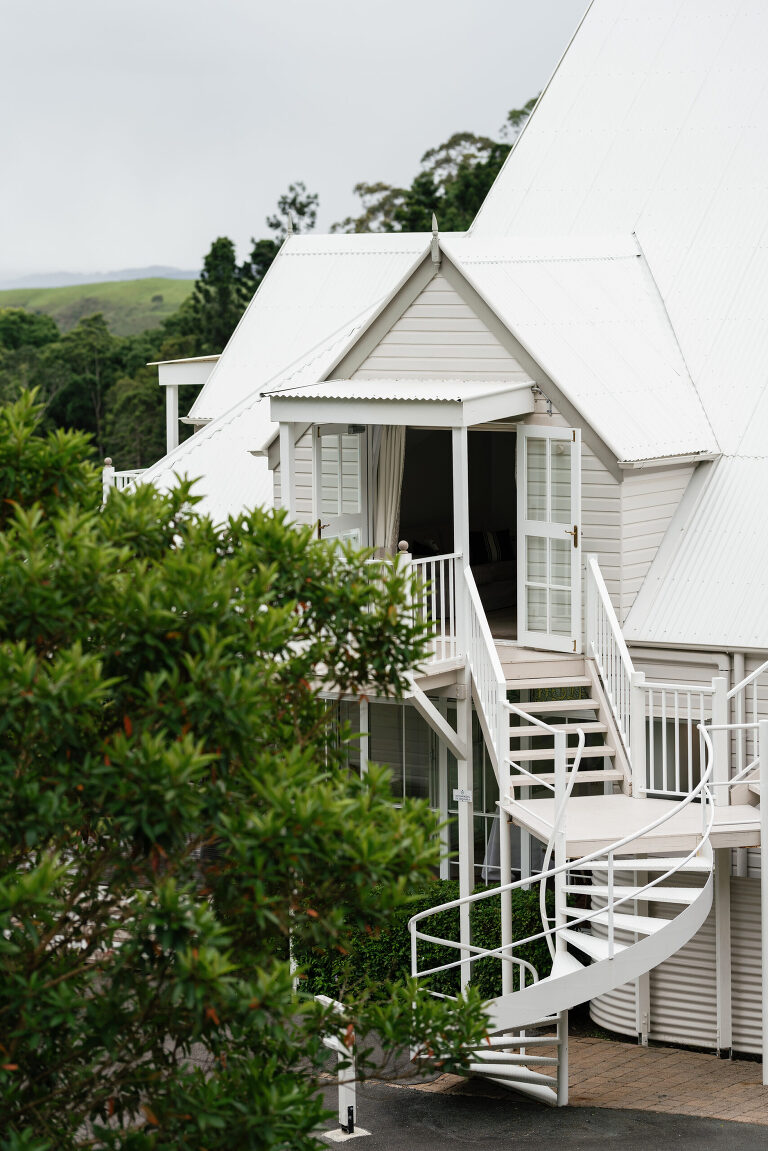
(426, 509)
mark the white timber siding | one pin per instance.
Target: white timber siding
(648, 502)
(439, 336)
(305, 504)
(683, 993)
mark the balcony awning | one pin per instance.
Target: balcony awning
(426, 403)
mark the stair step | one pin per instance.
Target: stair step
(642, 924)
(544, 753)
(532, 1090)
(562, 682)
(569, 728)
(660, 863)
(606, 775)
(500, 1041)
(591, 945)
(655, 895)
(564, 964)
(513, 1073)
(560, 706)
(514, 1058)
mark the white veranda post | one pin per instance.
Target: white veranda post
(549, 529)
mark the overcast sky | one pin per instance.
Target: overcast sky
(136, 132)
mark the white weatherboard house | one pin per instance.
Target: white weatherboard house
(564, 415)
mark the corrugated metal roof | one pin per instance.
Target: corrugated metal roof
(708, 585)
(423, 391)
(317, 286)
(590, 315)
(655, 123)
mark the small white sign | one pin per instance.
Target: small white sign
(461, 796)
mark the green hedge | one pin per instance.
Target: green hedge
(375, 959)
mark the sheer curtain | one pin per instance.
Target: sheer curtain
(389, 481)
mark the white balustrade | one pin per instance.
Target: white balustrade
(435, 602)
(487, 676)
(606, 645)
(746, 711)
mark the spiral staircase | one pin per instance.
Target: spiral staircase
(603, 933)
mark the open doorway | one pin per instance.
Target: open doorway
(426, 512)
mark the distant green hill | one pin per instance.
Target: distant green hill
(129, 306)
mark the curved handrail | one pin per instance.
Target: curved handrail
(555, 823)
(607, 852)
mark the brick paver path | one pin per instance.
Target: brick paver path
(625, 1076)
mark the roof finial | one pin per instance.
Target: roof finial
(435, 241)
(289, 231)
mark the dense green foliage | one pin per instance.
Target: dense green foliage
(174, 802)
(376, 958)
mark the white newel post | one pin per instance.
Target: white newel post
(763, 755)
(107, 479)
(171, 416)
(288, 469)
(721, 772)
(561, 918)
(505, 839)
(637, 731)
(465, 803)
(465, 799)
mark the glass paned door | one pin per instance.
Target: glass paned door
(549, 526)
(340, 484)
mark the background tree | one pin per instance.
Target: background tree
(173, 802)
(454, 179)
(219, 298)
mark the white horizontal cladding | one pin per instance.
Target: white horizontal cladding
(468, 404)
(683, 1005)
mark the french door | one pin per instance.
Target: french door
(340, 470)
(549, 527)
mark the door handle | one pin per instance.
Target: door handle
(574, 533)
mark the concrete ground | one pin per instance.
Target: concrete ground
(641, 1097)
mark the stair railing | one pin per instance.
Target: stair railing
(435, 602)
(658, 723)
(607, 646)
(605, 854)
(489, 684)
(744, 700)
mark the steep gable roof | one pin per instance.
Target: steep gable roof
(655, 124)
(317, 286)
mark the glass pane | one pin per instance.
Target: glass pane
(417, 754)
(536, 479)
(536, 608)
(536, 559)
(560, 562)
(386, 740)
(560, 611)
(560, 464)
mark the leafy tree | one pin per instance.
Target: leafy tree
(80, 369)
(454, 179)
(173, 804)
(135, 425)
(22, 329)
(219, 297)
(297, 205)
